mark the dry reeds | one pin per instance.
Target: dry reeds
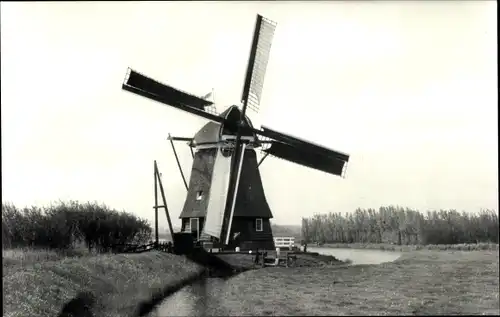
(403, 226)
(63, 225)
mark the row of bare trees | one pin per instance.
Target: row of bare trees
(64, 225)
(398, 225)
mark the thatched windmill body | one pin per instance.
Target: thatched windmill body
(225, 198)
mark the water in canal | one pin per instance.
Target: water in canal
(358, 256)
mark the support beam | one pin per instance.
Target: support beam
(157, 176)
(262, 159)
(178, 138)
(160, 206)
(192, 153)
(157, 238)
(178, 163)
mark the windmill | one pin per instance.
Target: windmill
(225, 199)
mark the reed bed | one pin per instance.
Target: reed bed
(65, 225)
(394, 225)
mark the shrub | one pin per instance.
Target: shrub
(62, 225)
(402, 226)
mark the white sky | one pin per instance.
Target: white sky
(409, 89)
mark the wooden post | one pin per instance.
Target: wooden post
(157, 238)
(165, 204)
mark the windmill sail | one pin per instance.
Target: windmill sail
(287, 138)
(257, 63)
(218, 195)
(306, 158)
(152, 89)
(303, 152)
(252, 90)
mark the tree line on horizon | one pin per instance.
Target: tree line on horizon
(402, 226)
(65, 225)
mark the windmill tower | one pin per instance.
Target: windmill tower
(251, 228)
(225, 197)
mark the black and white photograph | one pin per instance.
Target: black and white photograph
(249, 158)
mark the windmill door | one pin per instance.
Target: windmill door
(195, 228)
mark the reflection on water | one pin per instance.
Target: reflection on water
(204, 298)
(198, 299)
(358, 256)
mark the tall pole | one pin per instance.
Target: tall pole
(162, 192)
(157, 238)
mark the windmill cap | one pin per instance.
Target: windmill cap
(213, 132)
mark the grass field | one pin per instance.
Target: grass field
(39, 283)
(419, 283)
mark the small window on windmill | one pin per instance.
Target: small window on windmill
(258, 224)
(199, 195)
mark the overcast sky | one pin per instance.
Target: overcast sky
(408, 89)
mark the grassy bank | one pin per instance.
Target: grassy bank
(245, 261)
(419, 283)
(16, 259)
(41, 282)
(405, 248)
